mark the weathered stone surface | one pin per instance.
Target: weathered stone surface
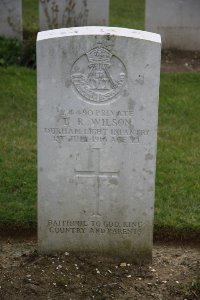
(97, 127)
(11, 18)
(73, 13)
(177, 21)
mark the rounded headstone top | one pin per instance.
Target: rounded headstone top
(99, 30)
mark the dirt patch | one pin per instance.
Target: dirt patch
(180, 61)
(24, 274)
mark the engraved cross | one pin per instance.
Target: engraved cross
(97, 174)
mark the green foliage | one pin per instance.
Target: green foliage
(191, 290)
(195, 287)
(10, 52)
(13, 52)
(28, 58)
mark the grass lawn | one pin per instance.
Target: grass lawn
(178, 163)
(17, 146)
(127, 13)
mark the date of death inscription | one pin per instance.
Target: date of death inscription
(93, 126)
(95, 227)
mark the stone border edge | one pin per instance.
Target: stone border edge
(99, 30)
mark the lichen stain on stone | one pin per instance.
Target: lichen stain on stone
(131, 104)
(113, 181)
(150, 189)
(108, 42)
(67, 83)
(142, 108)
(140, 79)
(108, 36)
(147, 171)
(148, 156)
(128, 244)
(125, 93)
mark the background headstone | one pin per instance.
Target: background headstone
(11, 19)
(178, 22)
(72, 13)
(97, 129)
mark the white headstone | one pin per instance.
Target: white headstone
(11, 19)
(72, 13)
(97, 128)
(178, 22)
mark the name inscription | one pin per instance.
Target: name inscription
(95, 227)
(105, 126)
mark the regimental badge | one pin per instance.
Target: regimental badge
(98, 75)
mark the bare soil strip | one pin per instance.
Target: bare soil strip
(25, 274)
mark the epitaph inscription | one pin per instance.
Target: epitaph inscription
(98, 75)
(95, 227)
